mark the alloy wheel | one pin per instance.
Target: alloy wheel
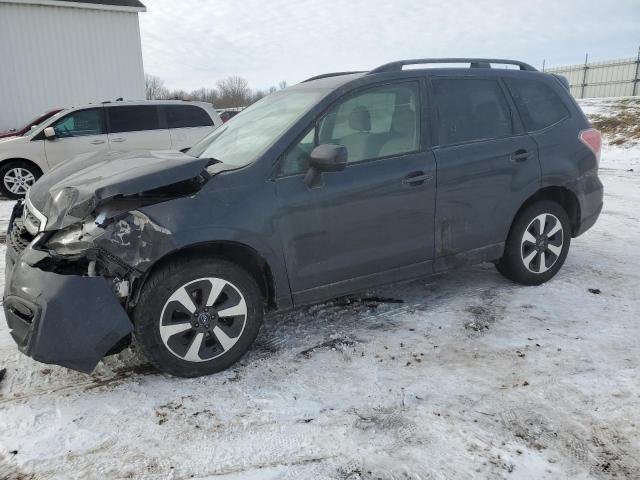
(18, 180)
(203, 319)
(541, 243)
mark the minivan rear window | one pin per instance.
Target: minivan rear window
(539, 105)
(134, 118)
(185, 116)
(471, 109)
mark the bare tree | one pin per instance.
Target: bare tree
(233, 92)
(154, 87)
(209, 95)
(178, 94)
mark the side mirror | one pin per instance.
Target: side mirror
(49, 133)
(325, 158)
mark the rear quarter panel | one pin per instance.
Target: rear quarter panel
(567, 162)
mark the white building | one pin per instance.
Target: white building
(56, 54)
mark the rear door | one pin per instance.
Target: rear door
(81, 131)
(136, 127)
(487, 166)
(372, 222)
(188, 124)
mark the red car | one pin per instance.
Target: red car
(27, 127)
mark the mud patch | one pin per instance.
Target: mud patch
(482, 317)
(121, 374)
(334, 344)
(267, 346)
(370, 301)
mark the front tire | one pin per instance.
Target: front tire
(197, 316)
(537, 245)
(16, 177)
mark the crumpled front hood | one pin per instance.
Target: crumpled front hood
(71, 191)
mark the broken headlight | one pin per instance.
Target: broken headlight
(74, 239)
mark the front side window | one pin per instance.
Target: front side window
(379, 122)
(471, 109)
(134, 118)
(539, 105)
(185, 116)
(80, 123)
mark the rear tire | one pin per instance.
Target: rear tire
(16, 177)
(197, 316)
(537, 245)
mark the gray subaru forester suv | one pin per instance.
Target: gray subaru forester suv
(344, 182)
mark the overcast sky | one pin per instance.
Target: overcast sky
(193, 43)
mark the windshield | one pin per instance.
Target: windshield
(242, 139)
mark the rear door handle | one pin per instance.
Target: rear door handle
(97, 142)
(118, 140)
(417, 178)
(520, 155)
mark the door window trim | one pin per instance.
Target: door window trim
(423, 135)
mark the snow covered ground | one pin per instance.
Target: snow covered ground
(464, 375)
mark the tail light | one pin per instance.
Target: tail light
(592, 139)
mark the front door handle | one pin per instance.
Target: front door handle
(118, 140)
(417, 178)
(97, 142)
(520, 155)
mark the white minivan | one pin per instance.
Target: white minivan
(120, 126)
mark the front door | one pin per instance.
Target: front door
(81, 131)
(487, 167)
(372, 222)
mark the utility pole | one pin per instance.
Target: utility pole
(543, 62)
(584, 74)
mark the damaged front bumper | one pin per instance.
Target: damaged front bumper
(62, 319)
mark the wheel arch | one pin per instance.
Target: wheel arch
(561, 195)
(238, 253)
(5, 161)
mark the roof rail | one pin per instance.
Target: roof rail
(327, 75)
(473, 63)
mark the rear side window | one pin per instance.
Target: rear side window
(184, 116)
(539, 105)
(135, 118)
(471, 109)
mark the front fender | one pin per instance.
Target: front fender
(140, 242)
